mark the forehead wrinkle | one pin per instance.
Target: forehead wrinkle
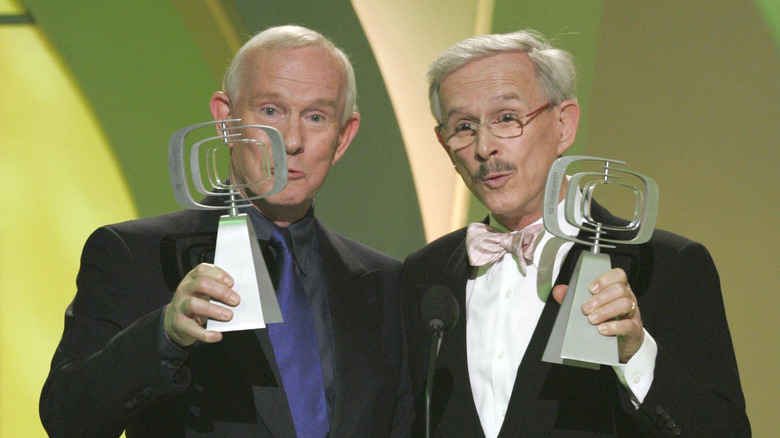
(265, 61)
(501, 98)
(326, 102)
(505, 97)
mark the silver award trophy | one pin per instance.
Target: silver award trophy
(574, 341)
(243, 159)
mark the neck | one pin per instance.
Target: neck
(282, 215)
(517, 223)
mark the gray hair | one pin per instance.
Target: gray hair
(290, 37)
(554, 68)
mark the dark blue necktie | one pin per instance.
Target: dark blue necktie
(295, 346)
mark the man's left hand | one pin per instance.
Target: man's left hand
(613, 308)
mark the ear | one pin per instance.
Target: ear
(219, 107)
(569, 119)
(348, 133)
(440, 138)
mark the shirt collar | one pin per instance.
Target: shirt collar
(302, 232)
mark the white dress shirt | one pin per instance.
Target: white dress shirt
(502, 310)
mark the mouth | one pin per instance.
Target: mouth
(294, 173)
(495, 180)
(494, 174)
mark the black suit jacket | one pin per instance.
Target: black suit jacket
(695, 391)
(107, 374)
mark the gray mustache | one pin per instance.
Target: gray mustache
(493, 166)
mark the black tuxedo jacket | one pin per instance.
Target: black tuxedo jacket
(107, 374)
(695, 391)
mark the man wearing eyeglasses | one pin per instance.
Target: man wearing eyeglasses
(506, 110)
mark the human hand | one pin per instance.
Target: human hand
(190, 306)
(614, 310)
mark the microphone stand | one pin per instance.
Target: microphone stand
(435, 344)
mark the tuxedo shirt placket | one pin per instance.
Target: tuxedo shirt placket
(502, 309)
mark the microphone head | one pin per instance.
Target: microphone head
(439, 308)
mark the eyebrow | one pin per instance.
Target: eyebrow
(500, 98)
(263, 95)
(326, 102)
(275, 95)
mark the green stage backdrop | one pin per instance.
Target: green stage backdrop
(686, 92)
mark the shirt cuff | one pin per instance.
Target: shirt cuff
(167, 349)
(172, 359)
(637, 374)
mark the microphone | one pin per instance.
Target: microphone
(440, 311)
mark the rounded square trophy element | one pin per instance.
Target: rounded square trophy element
(240, 164)
(209, 164)
(573, 340)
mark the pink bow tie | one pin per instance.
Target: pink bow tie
(486, 244)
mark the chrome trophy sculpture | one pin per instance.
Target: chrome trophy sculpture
(574, 341)
(261, 171)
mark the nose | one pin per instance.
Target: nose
(485, 145)
(293, 136)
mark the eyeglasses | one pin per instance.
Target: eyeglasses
(506, 125)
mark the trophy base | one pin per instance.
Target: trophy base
(574, 340)
(238, 253)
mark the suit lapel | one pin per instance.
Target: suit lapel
(270, 399)
(181, 252)
(354, 296)
(547, 396)
(453, 400)
(523, 410)
(250, 357)
(248, 354)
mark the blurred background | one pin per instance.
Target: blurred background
(90, 92)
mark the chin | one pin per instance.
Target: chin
(496, 203)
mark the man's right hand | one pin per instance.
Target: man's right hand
(190, 308)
